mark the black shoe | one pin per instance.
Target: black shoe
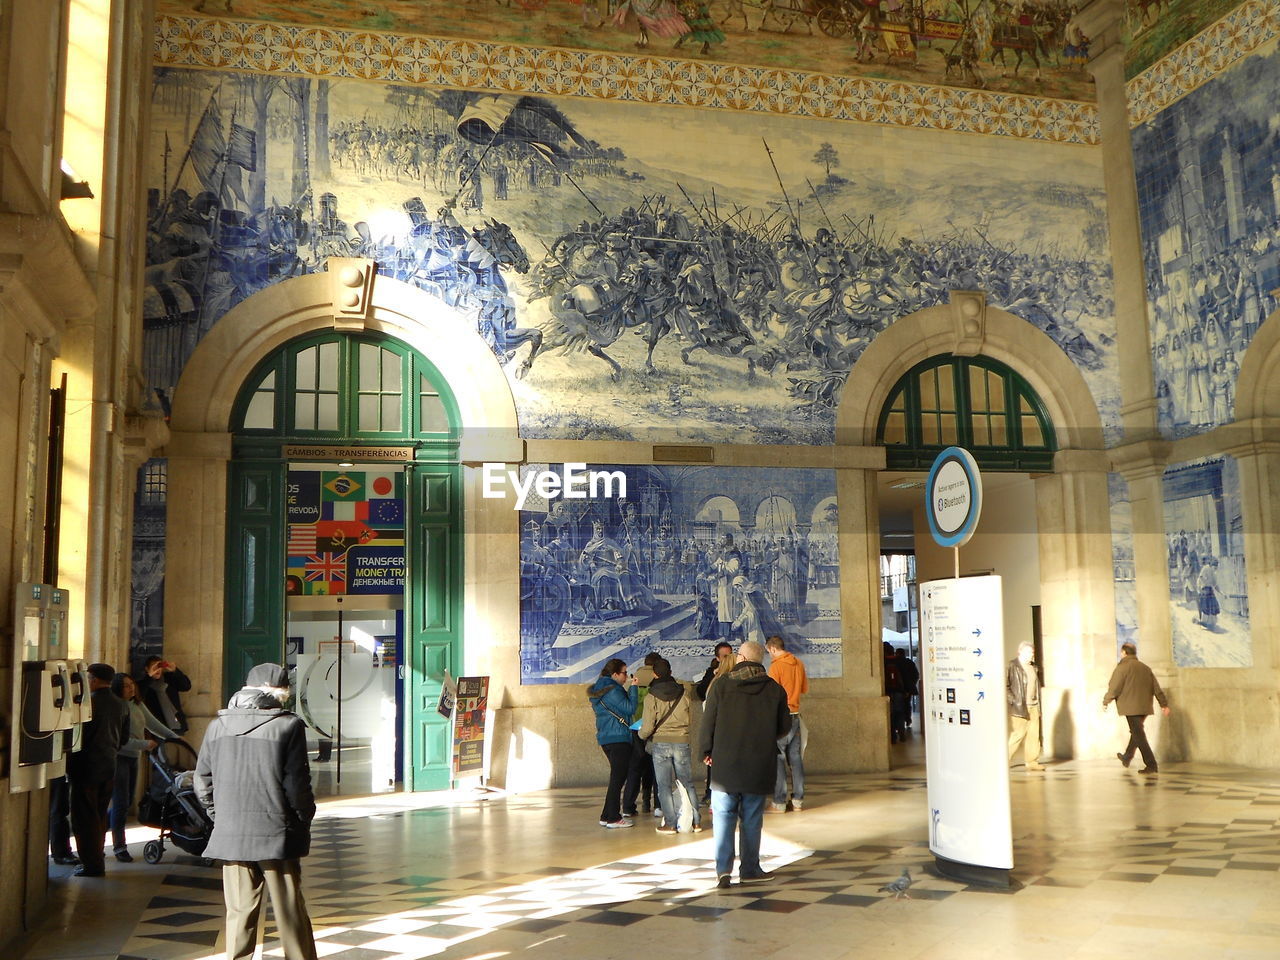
(85, 872)
(724, 882)
(1125, 760)
(755, 877)
(67, 860)
(124, 856)
(1151, 769)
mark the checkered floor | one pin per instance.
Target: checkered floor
(392, 881)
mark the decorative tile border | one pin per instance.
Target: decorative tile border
(1202, 58)
(508, 68)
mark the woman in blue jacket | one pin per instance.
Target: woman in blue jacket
(613, 698)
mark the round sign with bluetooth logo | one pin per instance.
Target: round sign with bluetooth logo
(953, 497)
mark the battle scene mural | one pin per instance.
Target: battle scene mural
(1021, 46)
(1208, 170)
(1208, 589)
(691, 555)
(642, 272)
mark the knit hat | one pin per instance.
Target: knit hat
(268, 675)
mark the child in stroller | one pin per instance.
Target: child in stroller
(170, 805)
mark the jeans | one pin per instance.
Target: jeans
(1138, 740)
(619, 755)
(671, 763)
(122, 799)
(789, 753)
(727, 810)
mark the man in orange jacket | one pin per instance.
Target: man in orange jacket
(789, 673)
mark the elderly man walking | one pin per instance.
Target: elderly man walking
(253, 778)
(745, 716)
(1132, 687)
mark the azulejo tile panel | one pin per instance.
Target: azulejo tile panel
(470, 64)
(1195, 63)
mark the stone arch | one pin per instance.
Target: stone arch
(1006, 337)
(254, 328)
(1258, 386)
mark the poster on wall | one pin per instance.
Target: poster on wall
(966, 720)
(346, 532)
(688, 556)
(1208, 586)
(469, 716)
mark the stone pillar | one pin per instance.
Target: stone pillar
(1103, 22)
(195, 557)
(856, 734)
(1077, 599)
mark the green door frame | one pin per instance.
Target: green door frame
(254, 599)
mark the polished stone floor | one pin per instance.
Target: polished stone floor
(1109, 864)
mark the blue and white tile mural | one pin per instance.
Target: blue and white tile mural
(1208, 171)
(690, 556)
(643, 272)
(1208, 591)
(1122, 563)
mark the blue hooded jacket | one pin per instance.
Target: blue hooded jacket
(606, 695)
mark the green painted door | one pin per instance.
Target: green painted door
(254, 599)
(433, 618)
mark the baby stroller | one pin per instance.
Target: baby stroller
(170, 805)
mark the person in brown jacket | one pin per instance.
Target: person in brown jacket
(1132, 687)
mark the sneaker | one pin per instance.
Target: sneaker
(797, 805)
(663, 828)
(696, 828)
(657, 811)
(124, 856)
(620, 824)
(755, 877)
(1125, 760)
(629, 814)
(67, 860)
(723, 882)
(778, 807)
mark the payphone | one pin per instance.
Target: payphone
(50, 693)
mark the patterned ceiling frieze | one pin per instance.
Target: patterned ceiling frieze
(1248, 27)
(223, 44)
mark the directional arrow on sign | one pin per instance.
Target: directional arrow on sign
(977, 632)
(978, 652)
(982, 695)
(978, 674)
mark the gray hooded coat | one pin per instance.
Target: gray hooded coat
(254, 780)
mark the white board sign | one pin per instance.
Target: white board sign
(966, 737)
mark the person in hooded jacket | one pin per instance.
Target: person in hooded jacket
(745, 716)
(614, 701)
(254, 780)
(665, 724)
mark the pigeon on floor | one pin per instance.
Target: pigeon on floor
(899, 887)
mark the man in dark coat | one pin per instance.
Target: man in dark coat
(1132, 687)
(91, 770)
(254, 780)
(745, 715)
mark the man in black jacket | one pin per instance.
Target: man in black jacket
(91, 770)
(254, 780)
(745, 714)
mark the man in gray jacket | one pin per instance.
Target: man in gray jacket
(254, 780)
(1132, 687)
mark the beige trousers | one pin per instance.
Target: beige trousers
(1027, 733)
(242, 884)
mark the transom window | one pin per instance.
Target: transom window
(339, 386)
(972, 402)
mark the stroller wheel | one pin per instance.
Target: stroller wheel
(153, 851)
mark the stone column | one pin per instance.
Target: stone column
(1103, 22)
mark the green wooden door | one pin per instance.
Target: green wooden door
(433, 618)
(254, 598)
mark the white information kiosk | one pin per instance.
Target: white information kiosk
(963, 705)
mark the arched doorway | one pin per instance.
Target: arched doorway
(215, 458)
(341, 559)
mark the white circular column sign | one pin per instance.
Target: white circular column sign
(953, 497)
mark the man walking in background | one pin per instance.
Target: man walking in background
(253, 778)
(745, 716)
(1132, 687)
(789, 673)
(1022, 692)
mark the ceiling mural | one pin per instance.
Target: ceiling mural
(1019, 46)
(1156, 27)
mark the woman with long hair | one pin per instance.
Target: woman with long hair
(141, 722)
(613, 697)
